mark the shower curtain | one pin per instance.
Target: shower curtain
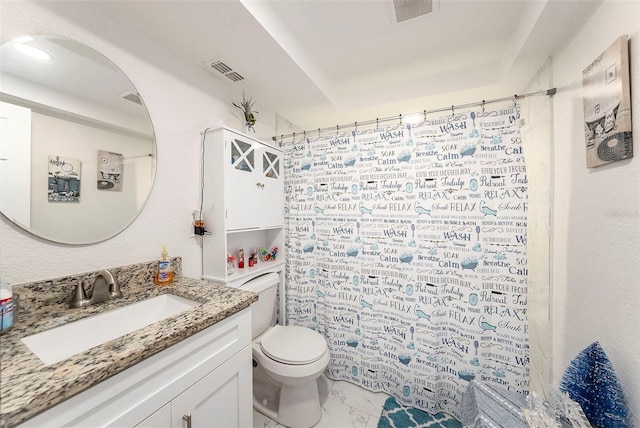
(406, 249)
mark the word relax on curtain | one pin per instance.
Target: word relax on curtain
(406, 249)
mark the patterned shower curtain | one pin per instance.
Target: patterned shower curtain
(406, 249)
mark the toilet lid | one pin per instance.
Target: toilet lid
(293, 345)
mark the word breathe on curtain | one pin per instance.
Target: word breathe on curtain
(406, 249)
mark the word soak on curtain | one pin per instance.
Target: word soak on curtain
(406, 249)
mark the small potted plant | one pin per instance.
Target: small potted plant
(249, 115)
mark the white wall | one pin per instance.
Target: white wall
(48, 98)
(537, 139)
(15, 162)
(93, 217)
(180, 108)
(596, 228)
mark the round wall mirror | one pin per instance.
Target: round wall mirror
(77, 146)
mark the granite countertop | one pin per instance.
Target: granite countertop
(28, 387)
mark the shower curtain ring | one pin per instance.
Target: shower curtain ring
(318, 132)
(355, 125)
(452, 111)
(425, 115)
(482, 106)
(400, 116)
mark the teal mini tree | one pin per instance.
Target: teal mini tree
(591, 382)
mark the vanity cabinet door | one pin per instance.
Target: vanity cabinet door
(160, 419)
(220, 399)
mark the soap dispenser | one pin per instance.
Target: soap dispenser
(164, 275)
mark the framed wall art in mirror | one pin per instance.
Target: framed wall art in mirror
(60, 97)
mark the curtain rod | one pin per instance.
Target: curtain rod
(548, 92)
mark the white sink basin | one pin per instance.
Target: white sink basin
(67, 340)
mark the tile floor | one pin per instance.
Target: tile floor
(344, 405)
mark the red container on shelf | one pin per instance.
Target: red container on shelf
(240, 258)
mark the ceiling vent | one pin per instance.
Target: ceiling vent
(409, 9)
(131, 96)
(234, 76)
(219, 68)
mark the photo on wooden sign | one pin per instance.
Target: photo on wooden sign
(110, 166)
(64, 179)
(607, 106)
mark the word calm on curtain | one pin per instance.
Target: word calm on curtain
(406, 249)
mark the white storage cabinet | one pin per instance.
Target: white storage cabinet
(243, 203)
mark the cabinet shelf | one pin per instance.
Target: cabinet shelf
(239, 274)
(230, 231)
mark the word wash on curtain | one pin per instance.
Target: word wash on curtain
(406, 249)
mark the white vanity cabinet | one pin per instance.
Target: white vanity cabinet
(160, 418)
(243, 203)
(204, 379)
(213, 401)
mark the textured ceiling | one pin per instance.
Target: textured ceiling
(322, 62)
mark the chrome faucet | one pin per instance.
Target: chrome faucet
(105, 287)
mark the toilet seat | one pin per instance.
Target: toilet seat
(293, 345)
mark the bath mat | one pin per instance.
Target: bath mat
(591, 382)
(395, 415)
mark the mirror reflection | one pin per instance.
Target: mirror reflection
(77, 147)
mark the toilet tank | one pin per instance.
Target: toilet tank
(264, 310)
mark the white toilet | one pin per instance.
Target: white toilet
(287, 361)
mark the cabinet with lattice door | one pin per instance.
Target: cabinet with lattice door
(254, 188)
(243, 199)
